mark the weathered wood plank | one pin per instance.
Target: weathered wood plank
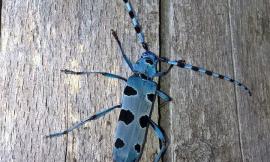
(202, 120)
(206, 122)
(31, 87)
(234, 37)
(41, 37)
(250, 25)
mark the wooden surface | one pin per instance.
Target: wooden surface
(38, 39)
(209, 119)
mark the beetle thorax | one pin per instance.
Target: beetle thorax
(147, 64)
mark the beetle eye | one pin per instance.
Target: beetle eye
(149, 61)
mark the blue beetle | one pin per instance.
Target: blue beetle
(138, 99)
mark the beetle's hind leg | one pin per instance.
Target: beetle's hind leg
(93, 117)
(110, 75)
(162, 137)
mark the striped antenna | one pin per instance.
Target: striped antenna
(183, 64)
(136, 24)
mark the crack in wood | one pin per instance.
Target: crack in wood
(234, 73)
(164, 28)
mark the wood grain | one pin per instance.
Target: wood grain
(250, 26)
(39, 38)
(210, 120)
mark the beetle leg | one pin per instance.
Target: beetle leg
(122, 51)
(161, 74)
(183, 64)
(93, 117)
(164, 97)
(162, 137)
(110, 75)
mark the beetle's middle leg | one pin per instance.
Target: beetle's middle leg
(93, 117)
(164, 97)
(162, 73)
(162, 137)
(110, 75)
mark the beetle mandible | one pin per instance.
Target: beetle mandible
(139, 97)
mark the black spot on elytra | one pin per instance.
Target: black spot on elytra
(119, 143)
(129, 91)
(126, 116)
(151, 97)
(144, 121)
(138, 148)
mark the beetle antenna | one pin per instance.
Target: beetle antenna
(136, 24)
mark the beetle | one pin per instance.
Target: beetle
(138, 98)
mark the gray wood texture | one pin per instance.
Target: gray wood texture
(208, 120)
(39, 38)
